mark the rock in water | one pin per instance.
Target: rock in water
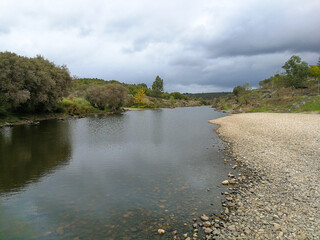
(161, 231)
(204, 218)
(225, 182)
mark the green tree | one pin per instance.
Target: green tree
(296, 72)
(112, 95)
(157, 86)
(31, 84)
(238, 90)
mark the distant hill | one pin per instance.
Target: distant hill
(207, 96)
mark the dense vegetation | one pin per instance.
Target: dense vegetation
(30, 85)
(279, 93)
(38, 86)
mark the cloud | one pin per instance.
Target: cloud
(193, 45)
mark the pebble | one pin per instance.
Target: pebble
(278, 156)
(204, 218)
(161, 231)
(225, 182)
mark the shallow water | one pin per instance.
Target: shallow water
(110, 177)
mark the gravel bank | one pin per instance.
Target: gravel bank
(279, 154)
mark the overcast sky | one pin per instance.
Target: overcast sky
(194, 45)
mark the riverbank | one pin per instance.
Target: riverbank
(35, 119)
(278, 155)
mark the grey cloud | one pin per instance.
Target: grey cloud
(207, 44)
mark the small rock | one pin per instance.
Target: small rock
(204, 218)
(225, 182)
(175, 232)
(226, 211)
(232, 228)
(185, 235)
(161, 231)
(232, 181)
(276, 226)
(207, 224)
(208, 230)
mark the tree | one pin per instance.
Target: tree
(296, 72)
(31, 84)
(157, 86)
(112, 95)
(139, 96)
(238, 90)
(315, 71)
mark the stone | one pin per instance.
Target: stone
(185, 235)
(226, 211)
(208, 230)
(225, 182)
(161, 231)
(276, 226)
(207, 224)
(232, 228)
(204, 218)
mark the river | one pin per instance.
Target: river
(110, 177)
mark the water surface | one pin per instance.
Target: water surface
(110, 177)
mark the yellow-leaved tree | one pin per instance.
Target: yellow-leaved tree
(139, 96)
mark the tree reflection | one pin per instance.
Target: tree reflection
(27, 153)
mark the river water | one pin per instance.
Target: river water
(110, 177)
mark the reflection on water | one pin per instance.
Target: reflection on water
(126, 176)
(29, 152)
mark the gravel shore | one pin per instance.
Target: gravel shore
(279, 156)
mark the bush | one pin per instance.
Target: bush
(112, 95)
(31, 84)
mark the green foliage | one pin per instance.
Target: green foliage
(312, 105)
(238, 90)
(315, 71)
(297, 72)
(31, 84)
(157, 87)
(113, 96)
(177, 95)
(75, 106)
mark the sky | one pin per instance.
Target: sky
(193, 45)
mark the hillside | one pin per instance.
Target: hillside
(268, 100)
(295, 90)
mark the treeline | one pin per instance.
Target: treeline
(278, 92)
(298, 74)
(207, 96)
(36, 85)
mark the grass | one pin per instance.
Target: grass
(312, 105)
(227, 107)
(76, 106)
(281, 104)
